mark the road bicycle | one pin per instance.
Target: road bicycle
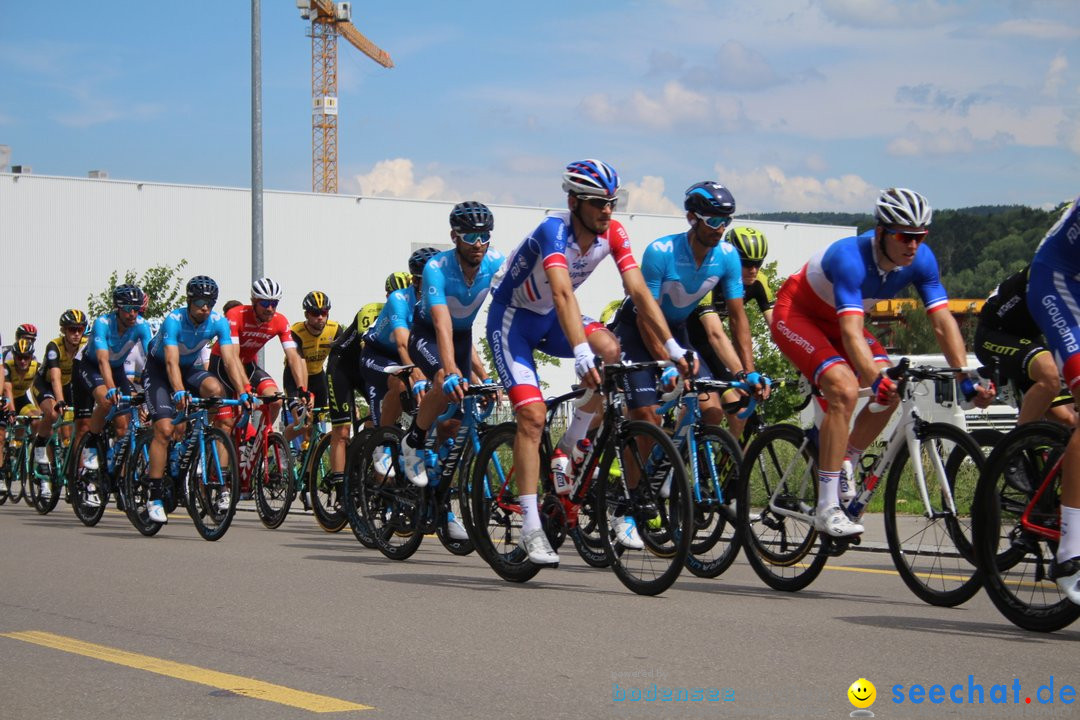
(397, 513)
(266, 464)
(112, 455)
(927, 504)
(643, 452)
(1018, 526)
(59, 448)
(17, 455)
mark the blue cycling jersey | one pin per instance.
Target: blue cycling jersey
(847, 279)
(106, 335)
(678, 283)
(396, 313)
(178, 331)
(1060, 249)
(445, 284)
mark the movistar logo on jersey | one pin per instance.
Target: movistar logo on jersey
(664, 245)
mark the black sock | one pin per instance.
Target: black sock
(415, 437)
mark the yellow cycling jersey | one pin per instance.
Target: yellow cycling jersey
(314, 348)
(57, 356)
(609, 311)
(19, 385)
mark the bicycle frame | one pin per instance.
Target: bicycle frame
(1049, 533)
(197, 422)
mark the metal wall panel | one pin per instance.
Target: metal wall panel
(60, 238)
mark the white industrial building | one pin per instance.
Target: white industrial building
(62, 237)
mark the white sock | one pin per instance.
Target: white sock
(1069, 546)
(578, 428)
(828, 489)
(531, 515)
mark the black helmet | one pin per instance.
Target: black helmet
(709, 199)
(419, 259)
(23, 346)
(471, 217)
(128, 295)
(73, 318)
(202, 287)
(316, 301)
(397, 281)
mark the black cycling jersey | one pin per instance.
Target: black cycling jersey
(1006, 309)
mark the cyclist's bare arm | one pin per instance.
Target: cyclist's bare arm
(951, 342)
(230, 355)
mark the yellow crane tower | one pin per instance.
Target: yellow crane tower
(328, 20)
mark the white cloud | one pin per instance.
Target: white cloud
(673, 106)
(735, 66)
(396, 178)
(648, 197)
(768, 188)
(1034, 29)
(1055, 75)
(1069, 132)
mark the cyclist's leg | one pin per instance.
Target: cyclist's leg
(161, 410)
(264, 385)
(1045, 387)
(603, 342)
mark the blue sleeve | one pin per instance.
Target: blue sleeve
(170, 330)
(221, 329)
(843, 266)
(434, 284)
(399, 310)
(926, 279)
(551, 237)
(99, 336)
(144, 336)
(654, 265)
(732, 276)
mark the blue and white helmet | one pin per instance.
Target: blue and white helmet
(590, 177)
(900, 206)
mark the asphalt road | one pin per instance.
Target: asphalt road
(103, 623)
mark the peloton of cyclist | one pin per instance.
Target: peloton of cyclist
(533, 307)
(818, 325)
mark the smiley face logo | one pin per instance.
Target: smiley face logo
(862, 693)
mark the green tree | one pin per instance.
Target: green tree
(163, 283)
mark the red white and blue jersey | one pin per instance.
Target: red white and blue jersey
(1060, 249)
(522, 281)
(846, 279)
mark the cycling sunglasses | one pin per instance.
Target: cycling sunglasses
(480, 238)
(318, 313)
(751, 263)
(204, 302)
(267, 304)
(598, 202)
(907, 236)
(715, 221)
(129, 308)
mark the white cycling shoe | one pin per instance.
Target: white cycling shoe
(835, 523)
(626, 533)
(1067, 577)
(413, 460)
(536, 545)
(384, 462)
(455, 529)
(156, 511)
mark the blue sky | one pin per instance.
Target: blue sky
(800, 105)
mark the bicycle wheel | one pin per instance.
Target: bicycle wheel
(352, 498)
(779, 473)
(1015, 560)
(86, 481)
(211, 473)
(392, 506)
(457, 502)
(136, 489)
(662, 481)
(326, 502)
(716, 529)
(931, 547)
(496, 514)
(19, 470)
(273, 481)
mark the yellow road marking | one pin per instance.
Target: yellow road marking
(191, 673)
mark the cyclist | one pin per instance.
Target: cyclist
(19, 373)
(705, 324)
(52, 386)
(818, 325)
(252, 326)
(456, 283)
(344, 378)
(1054, 298)
(1008, 337)
(26, 330)
(99, 376)
(533, 307)
(172, 374)
(386, 343)
(314, 336)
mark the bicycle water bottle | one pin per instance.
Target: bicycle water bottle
(560, 465)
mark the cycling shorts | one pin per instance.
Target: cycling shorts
(513, 334)
(85, 379)
(317, 386)
(641, 386)
(1012, 354)
(1054, 303)
(343, 380)
(811, 344)
(258, 378)
(159, 390)
(424, 350)
(373, 364)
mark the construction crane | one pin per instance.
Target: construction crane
(328, 20)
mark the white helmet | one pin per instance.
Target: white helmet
(900, 206)
(265, 289)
